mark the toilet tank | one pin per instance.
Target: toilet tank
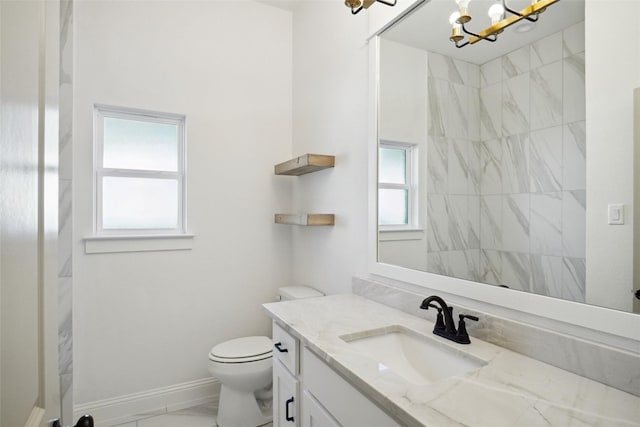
(286, 293)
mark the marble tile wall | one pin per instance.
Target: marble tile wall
(609, 365)
(453, 153)
(509, 173)
(532, 179)
(65, 276)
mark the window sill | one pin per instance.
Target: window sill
(137, 243)
(385, 235)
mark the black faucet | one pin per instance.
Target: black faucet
(446, 327)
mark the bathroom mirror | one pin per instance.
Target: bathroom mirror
(482, 156)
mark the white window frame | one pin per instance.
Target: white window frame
(411, 185)
(106, 111)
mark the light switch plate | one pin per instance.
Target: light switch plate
(616, 214)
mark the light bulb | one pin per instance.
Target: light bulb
(456, 28)
(463, 8)
(496, 12)
(453, 18)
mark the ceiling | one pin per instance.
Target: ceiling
(281, 4)
(428, 28)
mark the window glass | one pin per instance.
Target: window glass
(393, 206)
(393, 165)
(140, 172)
(139, 203)
(141, 145)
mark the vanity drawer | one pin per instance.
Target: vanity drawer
(285, 349)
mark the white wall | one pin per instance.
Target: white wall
(612, 75)
(330, 104)
(147, 320)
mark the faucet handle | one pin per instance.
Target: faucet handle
(468, 316)
(439, 320)
(462, 336)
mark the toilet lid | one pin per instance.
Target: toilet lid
(241, 350)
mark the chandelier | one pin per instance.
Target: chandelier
(357, 5)
(499, 22)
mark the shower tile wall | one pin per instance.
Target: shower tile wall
(507, 191)
(453, 153)
(65, 219)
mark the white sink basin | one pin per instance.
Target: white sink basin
(416, 358)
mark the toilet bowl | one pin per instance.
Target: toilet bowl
(244, 367)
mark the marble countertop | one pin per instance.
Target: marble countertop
(510, 390)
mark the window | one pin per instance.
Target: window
(139, 172)
(397, 186)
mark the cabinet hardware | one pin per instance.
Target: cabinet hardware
(278, 347)
(288, 418)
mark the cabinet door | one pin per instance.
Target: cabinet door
(314, 415)
(285, 397)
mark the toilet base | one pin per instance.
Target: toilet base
(241, 409)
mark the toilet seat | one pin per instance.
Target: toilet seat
(242, 350)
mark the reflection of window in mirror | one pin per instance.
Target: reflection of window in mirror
(397, 186)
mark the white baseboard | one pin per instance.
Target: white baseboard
(131, 407)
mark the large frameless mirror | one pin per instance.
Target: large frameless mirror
(482, 152)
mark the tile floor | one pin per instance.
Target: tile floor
(198, 416)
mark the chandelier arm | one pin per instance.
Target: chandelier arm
(462, 45)
(487, 38)
(388, 3)
(355, 11)
(464, 28)
(515, 12)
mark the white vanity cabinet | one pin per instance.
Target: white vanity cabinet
(347, 406)
(308, 393)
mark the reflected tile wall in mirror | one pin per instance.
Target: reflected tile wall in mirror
(506, 161)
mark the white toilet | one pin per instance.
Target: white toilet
(244, 367)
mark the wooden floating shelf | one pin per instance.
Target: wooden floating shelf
(305, 164)
(305, 219)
